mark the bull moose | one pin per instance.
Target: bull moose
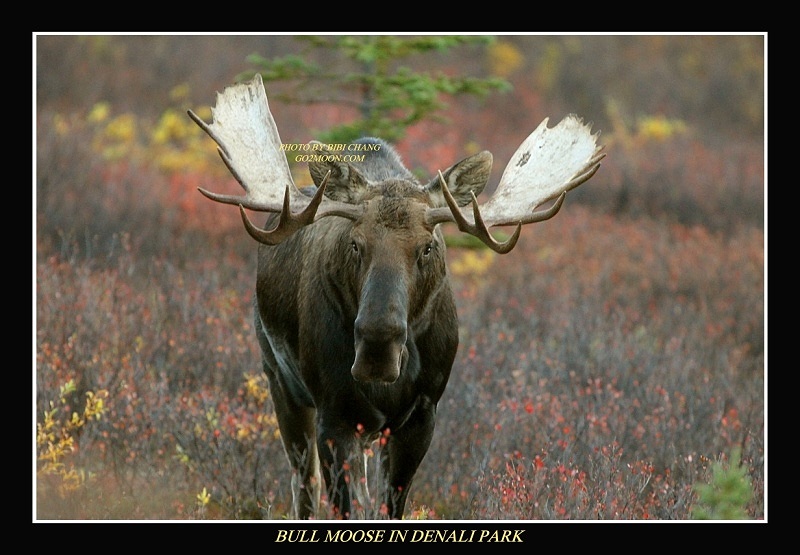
(354, 312)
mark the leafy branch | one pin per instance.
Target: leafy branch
(389, 96)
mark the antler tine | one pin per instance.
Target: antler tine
(479, 228)
(227, 199)
(593, 165)
(249, 144)
(288, 223)
(551, 161)
(548, 164)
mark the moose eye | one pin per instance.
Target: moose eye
(427, 250)
(354, 246)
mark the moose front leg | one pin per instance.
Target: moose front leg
(296, 424)
(403, 454)
(335, 448)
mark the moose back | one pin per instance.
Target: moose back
(354, 313)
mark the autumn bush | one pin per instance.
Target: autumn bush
(607, 366)
(602, 337)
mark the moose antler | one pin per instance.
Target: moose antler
(550, 162)
(249, 144)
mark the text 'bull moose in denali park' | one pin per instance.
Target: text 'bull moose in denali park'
(354, 312)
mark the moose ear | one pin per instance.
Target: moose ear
(346, 184)
(468, 176)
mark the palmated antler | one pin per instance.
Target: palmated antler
(249, 144)
(550, 162)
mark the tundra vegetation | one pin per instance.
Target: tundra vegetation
(612, 367)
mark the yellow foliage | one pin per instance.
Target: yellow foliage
(174, 160)
(55, 437)
(473, 262)
(256, 387)
(659, 128)
(117, 139)
(548, 67)
(122, 128)
(204, 113)
(504, 58)
(203, 498)
(172, 127)
(419, 513)
(174, 143)
(115, 152)
(99, 113)
(647, 128)
(180, 92)
(178, 145)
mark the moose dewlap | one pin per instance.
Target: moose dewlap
(354, 314)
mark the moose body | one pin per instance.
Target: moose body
(358, 329)
(354, 315)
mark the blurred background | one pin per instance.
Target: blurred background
(634, 320)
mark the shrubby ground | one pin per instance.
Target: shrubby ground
(605, 364)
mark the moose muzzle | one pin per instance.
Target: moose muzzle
(379, 362)
(381, 329)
